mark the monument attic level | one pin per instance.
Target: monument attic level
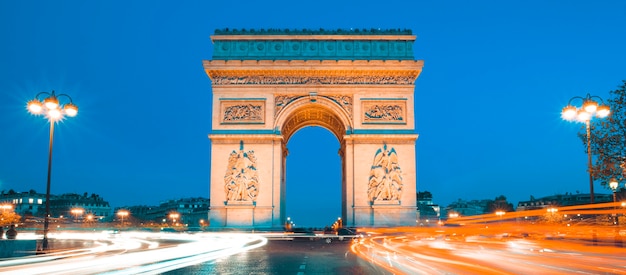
(268, 84)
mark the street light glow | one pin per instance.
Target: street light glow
(51, 102)
(603, 111)
(77, 211)
(34, 106)
(51, 107)
(569, 112)
(583, 115)
(613, 184)
(590, 105)
(71, 110)
(588, 110)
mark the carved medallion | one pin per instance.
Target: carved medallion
(385, 181)
(241, 179)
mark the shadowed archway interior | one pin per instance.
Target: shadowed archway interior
(313, 115)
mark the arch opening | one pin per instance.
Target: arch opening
(314, 178)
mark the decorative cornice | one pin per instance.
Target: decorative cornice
(313, 72)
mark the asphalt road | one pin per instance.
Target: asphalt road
(300, 256)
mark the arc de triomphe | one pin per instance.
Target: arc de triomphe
(268, 84)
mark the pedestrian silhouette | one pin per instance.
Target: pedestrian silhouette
(1, 232)
(11, 233)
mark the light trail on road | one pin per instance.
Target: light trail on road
(133, 253)
(525, 242)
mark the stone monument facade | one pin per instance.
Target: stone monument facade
(267, 84)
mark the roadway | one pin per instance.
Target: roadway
(297, 256)
(567, 240)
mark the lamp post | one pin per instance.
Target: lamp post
(500, 213)
(77, 212)
(89, 219)
(122, 214)
(174, 216)
(585, 113)
(614, 184)
(53, 110)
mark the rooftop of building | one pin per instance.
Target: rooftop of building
(351, 31)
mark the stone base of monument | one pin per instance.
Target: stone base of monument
(17, 248)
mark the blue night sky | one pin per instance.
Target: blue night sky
(487, 104)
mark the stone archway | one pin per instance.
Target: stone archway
(267, 85)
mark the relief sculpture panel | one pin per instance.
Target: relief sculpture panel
(385, 180)
(384, 112)
(243, 112)
(241, 179)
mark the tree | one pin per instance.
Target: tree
(608, 140)
(9, 217)
(499, 204)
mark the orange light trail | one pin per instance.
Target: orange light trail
(564, 240)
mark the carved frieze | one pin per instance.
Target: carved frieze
(242, 111)
(241, 179)
(385, 180)
(384, 111)
(313, 80)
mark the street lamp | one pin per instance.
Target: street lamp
(6, 207)
(77, 212)
(614, 184)
(122, 214)
(53, 110)
(585, 113)
(174, 217)
(500, 213)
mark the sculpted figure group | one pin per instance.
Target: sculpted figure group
(241, 179)
(385, 181)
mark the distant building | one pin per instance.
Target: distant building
(88, 204)
(33, 204)
(469, 208)
(192, 212)
(427, 209)
(562, 200)
(25, 204)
